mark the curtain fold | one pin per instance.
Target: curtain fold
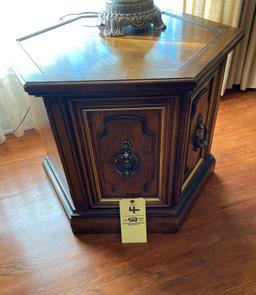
(249, 71)
(241, 64)
(243, 70)
(14, 103)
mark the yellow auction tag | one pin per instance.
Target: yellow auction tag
(133, 220)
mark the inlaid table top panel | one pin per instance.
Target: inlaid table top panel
(76, 52)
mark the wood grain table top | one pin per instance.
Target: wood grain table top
(77, 53)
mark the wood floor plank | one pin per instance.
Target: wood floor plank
(214, 253)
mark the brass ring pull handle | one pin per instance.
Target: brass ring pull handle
(126, 163)
(201, 134)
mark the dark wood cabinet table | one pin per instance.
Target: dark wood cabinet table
(129, 117)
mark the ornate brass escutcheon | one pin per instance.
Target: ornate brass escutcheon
(126, 163)
(201, 134)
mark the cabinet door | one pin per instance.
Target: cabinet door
(127, 150)
(199, 130)
(124, 150)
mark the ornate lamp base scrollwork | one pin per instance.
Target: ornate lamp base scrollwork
(137, 13)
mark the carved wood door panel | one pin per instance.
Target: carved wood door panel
(126, 146)
(125, 150)
(199, 131)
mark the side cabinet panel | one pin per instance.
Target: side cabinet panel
(199, 132)
(201, 115)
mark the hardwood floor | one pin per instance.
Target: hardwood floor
(214, 253)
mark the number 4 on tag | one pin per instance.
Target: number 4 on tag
(133, 220)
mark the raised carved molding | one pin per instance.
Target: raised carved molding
(141, 119)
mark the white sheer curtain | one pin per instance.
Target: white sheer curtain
(19, 18)
(241, 63)
(14, 103)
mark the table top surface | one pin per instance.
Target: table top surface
(76, 52)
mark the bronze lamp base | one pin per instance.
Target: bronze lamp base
(137, 13)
